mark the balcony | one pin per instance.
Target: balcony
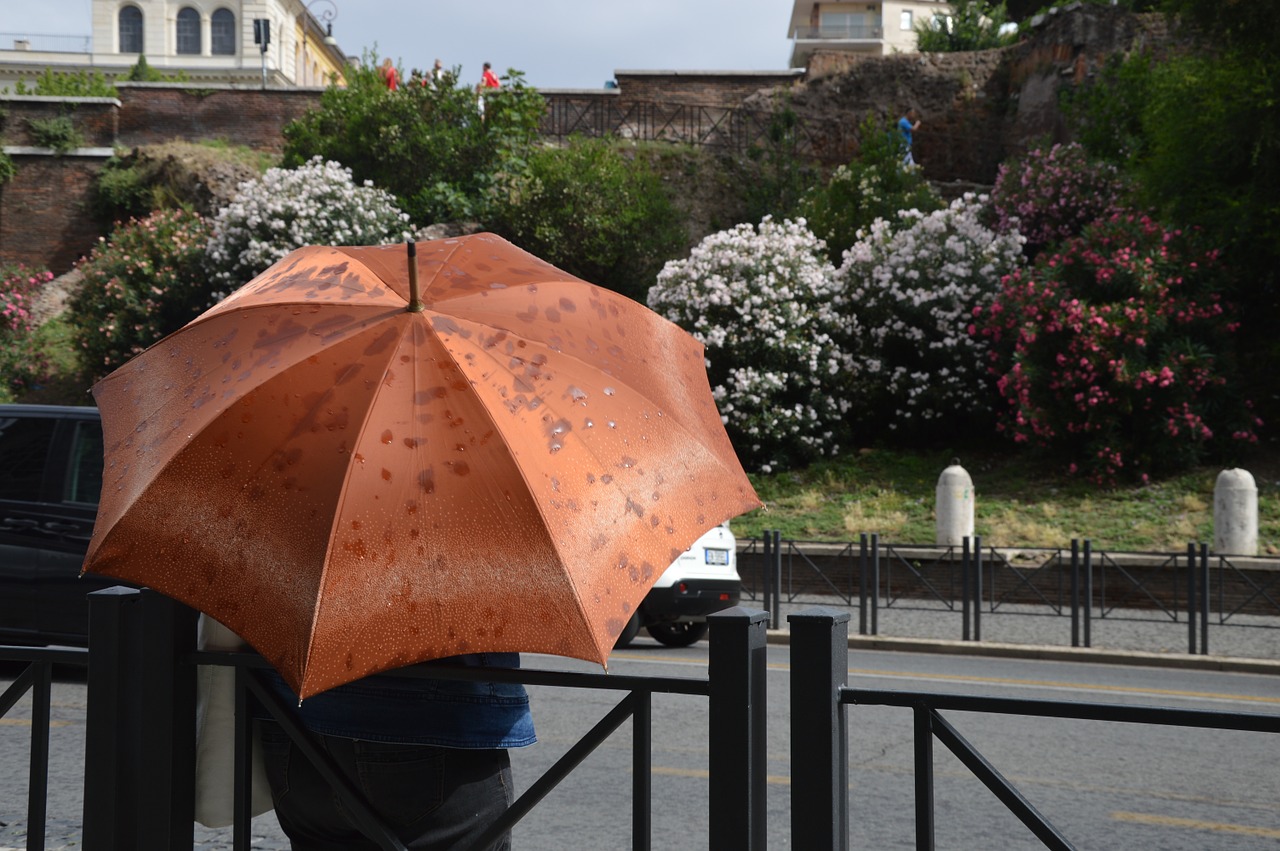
(840, 37)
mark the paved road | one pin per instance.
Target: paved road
(1106, 785)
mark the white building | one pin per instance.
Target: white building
(874, 29)
(205, 41)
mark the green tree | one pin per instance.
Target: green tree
(429, 145)
(71, 84)
(595, 209)
(972, 25)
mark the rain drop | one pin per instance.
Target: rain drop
(612, 424)
(386, 437)
(588, 424)
(609, 391)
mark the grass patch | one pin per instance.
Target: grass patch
(1019, 501)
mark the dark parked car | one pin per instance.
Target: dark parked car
(50, 481)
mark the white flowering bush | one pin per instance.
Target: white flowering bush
(921, 369)
(761, 301)
(317, 203)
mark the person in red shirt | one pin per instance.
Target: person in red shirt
(389, 75)
(488, 79)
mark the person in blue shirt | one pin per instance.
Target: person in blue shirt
(430, 756)
(907, 126)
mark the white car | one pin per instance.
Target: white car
(703, 580)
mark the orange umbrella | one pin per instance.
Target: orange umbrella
(354, 477)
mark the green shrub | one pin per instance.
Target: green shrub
(146, 280)
(7, 168)
(427, 145)
(593, 209)
(57, 132)
(68, 84)
(875, 185)
(22, 364)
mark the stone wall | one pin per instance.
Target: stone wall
(44, 211)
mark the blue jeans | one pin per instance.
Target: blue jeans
(432, 797)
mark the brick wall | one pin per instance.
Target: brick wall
(95, 118)
(155, 112)
(700, 88)
(44, 211)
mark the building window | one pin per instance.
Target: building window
(844, 25)
(130, 29)
(906, 23)
(189, 32)
(222, 33)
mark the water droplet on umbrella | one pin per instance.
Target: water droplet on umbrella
(612, 424)
(588, 424)
(387, 437)
(609, 391)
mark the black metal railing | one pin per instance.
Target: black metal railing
(820, 738)
(1197, 587)
(36, 678)
(732, 129)
(140, 735)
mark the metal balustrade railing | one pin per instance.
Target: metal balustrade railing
(820, 736)
(140, 736)
(1079, 582)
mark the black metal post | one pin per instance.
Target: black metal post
(38, 771)
(819, 729)
(863, 566)
(776, 611)
(1088, 592)
(242, 770)
(964, 588)
(112, 731)
(924, 776)
(1191, 598)
(738, 708)
(766, 572)
(642, 772)
(1204, 598)
(875, 583)
(167, 757)
(977, 588)
(1075, 592)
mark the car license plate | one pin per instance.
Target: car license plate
(720, 557)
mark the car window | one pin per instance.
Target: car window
(24, 449)
(85, 483)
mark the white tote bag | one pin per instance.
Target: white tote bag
(216, 734)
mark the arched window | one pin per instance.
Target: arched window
(130, 21)
(222, 33)
(189, 32)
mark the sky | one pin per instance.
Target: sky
(556, 43)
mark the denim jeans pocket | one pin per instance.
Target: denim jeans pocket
(405, 783)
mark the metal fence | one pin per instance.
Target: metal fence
(139, 781)
(1195, 588)
(820, 736)
(731, 129)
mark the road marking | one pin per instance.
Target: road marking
(26, 722)
(1004, 681)
(1055, 684)
(1197, 824)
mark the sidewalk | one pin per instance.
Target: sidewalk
(1244, 644)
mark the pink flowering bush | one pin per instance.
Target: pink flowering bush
(762, 302)
(22, 364)
(914, 286)
(143, 282)
(1052, 195)
(1116, 353)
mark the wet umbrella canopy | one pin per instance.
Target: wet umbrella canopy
(353, 484)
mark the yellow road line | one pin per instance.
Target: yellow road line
(26, 722)
(1197, 824)
(1006, 681)
(1162, 692)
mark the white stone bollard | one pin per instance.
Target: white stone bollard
(1235, 514)
(954, 506)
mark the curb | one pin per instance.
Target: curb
(1182, 661)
